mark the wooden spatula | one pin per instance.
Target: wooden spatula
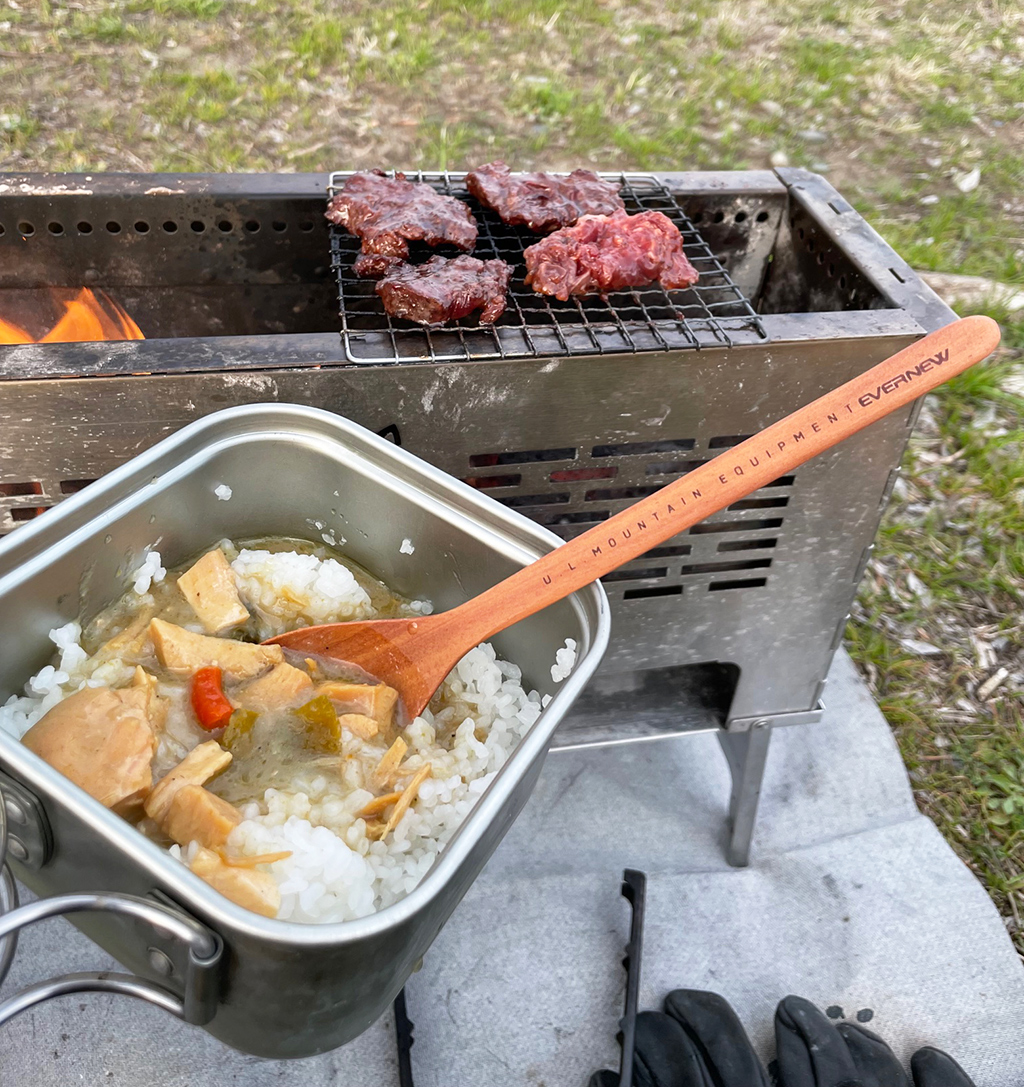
(414, 655)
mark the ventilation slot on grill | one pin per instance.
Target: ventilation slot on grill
(736, 526)
(16, 490)
(635, 449)
(782, 481)
(760, 503)
(725, 567)
(582, 518)
(26, 513)
(747, 545)
(636, 575)
(672, 467)
(654, 590)
(574, 475)
(726, 441)
(518, 501)
(73, 486)
(612, 494)
(666, 552)
(748, 583)
(484, 483)
(525, 456)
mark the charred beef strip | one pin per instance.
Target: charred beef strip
(542, 202)
(603, 253)
(445, 290)
(387, 213)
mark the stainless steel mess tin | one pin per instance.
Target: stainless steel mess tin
(282, 989)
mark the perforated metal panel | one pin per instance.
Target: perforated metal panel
(570, 489)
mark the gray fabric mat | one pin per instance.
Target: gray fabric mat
(853, 900)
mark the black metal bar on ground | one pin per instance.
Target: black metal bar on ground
(404, 1038)
(634, 890)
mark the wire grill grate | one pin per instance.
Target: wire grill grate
(714, 313)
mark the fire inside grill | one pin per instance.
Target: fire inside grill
(68, 316)
(714, 312)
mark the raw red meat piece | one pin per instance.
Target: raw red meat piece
(445, 290)
(387, 213)
(542, 202)
(605, 253)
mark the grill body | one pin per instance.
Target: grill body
(245, 310)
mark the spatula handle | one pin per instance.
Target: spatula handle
(732, 475)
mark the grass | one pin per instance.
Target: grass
(897, 101)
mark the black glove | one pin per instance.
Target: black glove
(665, 1056)
(699, 1042)
(933, 1068)
(813, 1052)
(718, 1036)
(662, 1057)
(875, 1062)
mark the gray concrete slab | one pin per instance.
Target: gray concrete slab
(853, 899)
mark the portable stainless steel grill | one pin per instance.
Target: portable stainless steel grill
(565, 412)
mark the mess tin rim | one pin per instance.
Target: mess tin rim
(25, 553)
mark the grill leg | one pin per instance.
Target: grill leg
(746, 753)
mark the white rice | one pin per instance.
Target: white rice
(151, 570)
(288, 590)
(407, 547)
(223, 492)
(565, 661)
(336, 872)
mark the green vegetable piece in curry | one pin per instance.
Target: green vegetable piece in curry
(323, 729)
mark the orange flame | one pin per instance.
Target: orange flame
(12, 334)
(87, 316)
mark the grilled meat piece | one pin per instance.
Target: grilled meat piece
(374, 265)
(542, 202)
(608, 252)
(387, 213)
(445, 290)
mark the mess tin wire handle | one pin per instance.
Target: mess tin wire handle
(733, 474)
